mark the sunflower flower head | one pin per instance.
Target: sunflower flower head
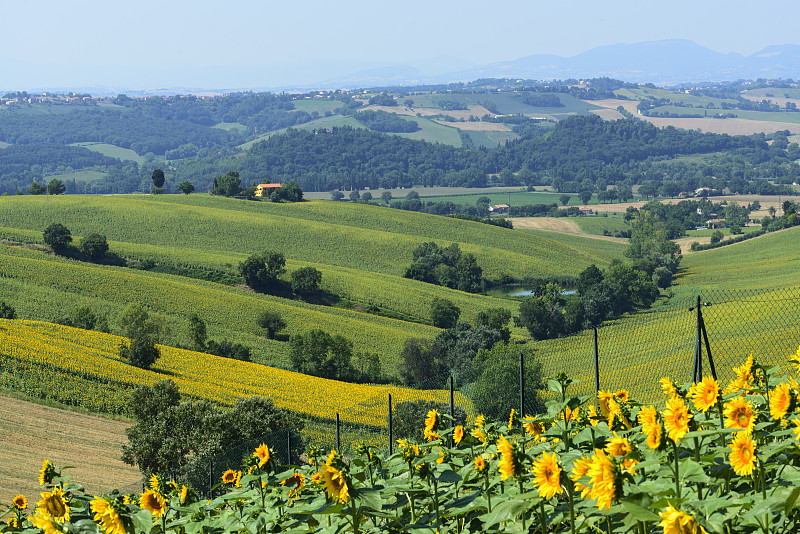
(669, 388)
(107, 515)
(547, 475)
(480, 434)
(511, 460)
(154, 482)
(480, 420)
(47, 473)
(579, 470)
(55, 504)
(534, 429)
(781, 401)
(744, 377)
(743, 454)
(154, 502)
(336, 483)
(295, 484)
(458, 434)
(651, 426)
(739, 414)
(20, 502)
(705, 394)
(676, 522)
(230, 476)
(676, 418)
(432, 421)
(262, 454)
(609, 407)
(480, 464)
(604, 475)
(513, 419)
(618, 446)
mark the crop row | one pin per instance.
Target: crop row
(92, 356)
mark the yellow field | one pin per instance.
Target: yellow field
(92, 357)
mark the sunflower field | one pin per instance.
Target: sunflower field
(709, 458)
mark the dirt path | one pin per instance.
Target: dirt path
(561, 225)
(30, 432)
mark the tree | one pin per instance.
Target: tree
(7, 311)
(228, 185)
(186, 187)
(58, 237)
(288, 192)
(386, 196)
(94, 246)
(716, 237)
(306, 280)
(226, 349)
(271, 321)
(495, 319)
(135, 322)
(444, 314)
(355, 196)
(37, 189)
(543, 315)
(81, 317)
(56, 187)
(261, 271)
(158, 178)
(197, 332)
(142, 352)
(336, 195)
(321, 354)
(586, 196)
(366, 197)
(418, 362)
(564, 199)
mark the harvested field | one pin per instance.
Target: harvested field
(686, 242)
(30, 432)
(476, 111)
(476, 126)
(608, 114)
(557, 224)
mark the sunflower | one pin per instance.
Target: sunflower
(668, 387)
(480, 464)
(47, 473)
(744, 377)
(651, 426)
(547, 475)
(20, 502)
(335, 483)
(740, 414)
(705, 394)
(676, 418)
(153, 501)
(432, 422)
(458, 434)
(780, 401)
(591, 414)
(796, 429)
(510, 463)
(184, 493)
(602, 472)
(106, 515)
(42, 520)
(512, 418)
(229, 477)
(630, 465)
(480, 420)
(479, 434)
(743, 454)
(579, 470)
(262, 452)
(54, 504)
(608, 406)
(533, 429)
(622, 395)
(618, 446)
(677, 522)
(154, 482)
(295, 484)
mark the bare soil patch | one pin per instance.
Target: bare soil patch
(558, 224)
(31, 432)
(476, 111)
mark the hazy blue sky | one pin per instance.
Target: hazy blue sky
(248, 43)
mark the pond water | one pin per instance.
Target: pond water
(518, 291)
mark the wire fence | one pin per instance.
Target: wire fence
(682, 340)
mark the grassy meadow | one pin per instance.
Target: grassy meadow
(112, 151)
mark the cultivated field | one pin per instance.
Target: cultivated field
(30, 432)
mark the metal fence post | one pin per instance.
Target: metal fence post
(452, 408)
(391, 439)
(596, 365)
(338, 435)
(697, 371)
(521, 384)
(708, 349)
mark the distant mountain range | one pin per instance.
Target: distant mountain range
(669, 62)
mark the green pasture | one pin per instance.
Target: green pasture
(725, 231)
(228, 126)
(324, 122)
(774, 116)
(433, 132)
(773, 92)
(596, 225)
(112, 151)
(642, 93)
(517, 198)
(601, 251)
(320, 106)
(84, 179)
(505, 103)
(490, 139)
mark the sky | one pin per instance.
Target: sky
(204, 44)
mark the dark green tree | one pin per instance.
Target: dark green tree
(386, 196)
(366, 197)
(318, 353)
(495, 319)
(418, 363)
(186, 187)
(158, 178)
(272, 322)
(585, 196)
(56, 187)
(262, 271)
(444, 314)
(94, 246)
(228, 349)
(355, 196)
(58, 237)
(197, 332)
(141, 352)
(228, 185)
(500, 365)
(564, 199)
(288, 192)
(37, 189)
(337, 195)
(7, 311)
(306, 280)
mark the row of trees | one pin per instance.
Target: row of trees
(262, 272)
(446, 266)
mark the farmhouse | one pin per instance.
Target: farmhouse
(499, 208)
(585, 210)
(260, 188)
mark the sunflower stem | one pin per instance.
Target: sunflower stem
(697, 459)
(543, 517)
(488, 493)
(571, 493)
(677, 472)
(523, 511)
(436, 497)
(355, 515)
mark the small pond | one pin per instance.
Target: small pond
(518, 291)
